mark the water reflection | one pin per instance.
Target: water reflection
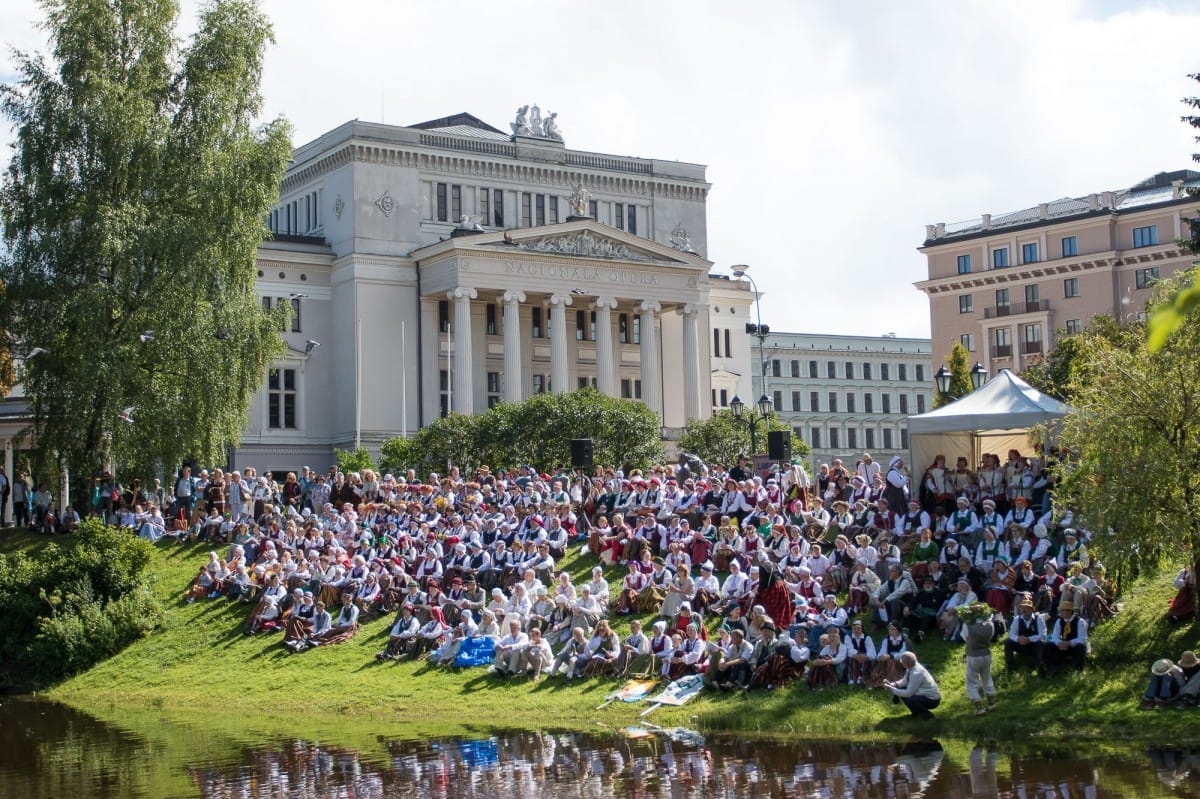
(49, 750)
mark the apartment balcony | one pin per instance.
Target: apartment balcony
(1015, 309)
(1002, 351)
(1031, 347)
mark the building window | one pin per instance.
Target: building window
(535, 319)
(493, 389)
(866, 371)
(591, 325)
(539, 209)
(623, 330)
(795, 400)
(833, 438)
(631, 219)
(498, 208)
(1032, 337)
(887, 438)
(849, 370)
(482, 206)
(526, 209)
(1071, 287)
(902, 372)
(830, 370)
(964, 264)
(1002, 300)
(815, 438)
(281, 399)
(728, 344)
(581, 325)
(851, 438)
(594, 210)
(795, 369)
(724, 398)
(1145, 278)
(920, 377)
(268, 303)
(903, 438)
(1003, 343)
(444, 316)
(775, 368)
(885, 403)
(777, 400)
(968, 341)
(883, 371)
(443, 204)
(850, 403)
(1029, 253)
(1070, 246)
(920, 403)
(619, 216)
(444, 387)
(868, 403)
(904, 404)
(717, 342)
(455, 202)
(637, 330)
(490, 323)
(869, 435)
(814, 401)
(1032, 296)
(1145, 236)
(833, 401)
(554, 209)
(812, 369)
(1074, 326)
(999, 257)
(626, 388)
(966, 303)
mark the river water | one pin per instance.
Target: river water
(48, 750)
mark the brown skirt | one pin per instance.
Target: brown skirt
(336, 635)
(649, 600)
(779, 670)
(823, 676)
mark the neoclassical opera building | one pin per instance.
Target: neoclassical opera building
(450, 265)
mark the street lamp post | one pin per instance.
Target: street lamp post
(943, 377)
(758, 330)
(756, 417)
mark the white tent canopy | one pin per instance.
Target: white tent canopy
(994, 418)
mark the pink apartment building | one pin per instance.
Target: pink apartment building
(1007, 285)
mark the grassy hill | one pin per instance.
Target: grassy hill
(201, 665)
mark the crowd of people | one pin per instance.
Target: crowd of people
(751, 581)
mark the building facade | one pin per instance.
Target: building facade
(845, 395)
(448, 265)
(1005, 285)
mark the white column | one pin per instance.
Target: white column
(513, 383)
(651, 373)
(560, 373)
(606, 376)
(691, 364)
(463, 388)
(431, 361)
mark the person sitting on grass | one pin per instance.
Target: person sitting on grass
(635, 652)
(1166, 680)
(538, 655)
(729, 661)
(784, 663)
(916, 689)
(322, 622)
(344, 626)
(509, 650)
(1026, 635)
(687, 655)
(1067, 641)
(601, 653)
(828, 668)
(401, 636)
(564, 661)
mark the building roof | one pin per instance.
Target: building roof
(463, 124)
(1158, 188)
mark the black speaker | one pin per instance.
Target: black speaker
(779, 445)
(581, 453)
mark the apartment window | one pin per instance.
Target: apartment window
(833, 401)
(444, 316)
(1029, 253)
(920, 372)
(902, 372)
(443, 203)
(554, 210)
(594, 210)
(883, 371)
(830, 370)
(815, 438)
(849, 370)
(455, 202)
(869, 438)
(795, 368)
(1003, 340)
(497, 208)
(868, 403)
(1002, 299)
(717, 342)
(281, 399)
(1032, 296)
(850, 402)
(833, 438)
(812, 369)
(999, 257)
(920, 403)
(631, 219)
(526, 209)
(866, 371)
(1032, 336)
(795, 400)
(535, 319)
(539, 209)
(814, 401)
(904, 403)
(724, 398)
(637, 331)
(1074, 326)
(1070, 246)
(887, 438)
(777, 400)
(1145, 278)
(728, 344)
(968, 341)
(581, 325)
(776, 368)
(490, 318)
(1145, 236)
(964, 264)
(851, 438)
(539, 384)
(1071, 287)
(619, 216)
(885, 402)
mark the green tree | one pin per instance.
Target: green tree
(1066, 365)
(722, 437)
(132, 210)
(960, 376)
(1133, 442)
(353, 460)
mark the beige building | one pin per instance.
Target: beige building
(1005, 285)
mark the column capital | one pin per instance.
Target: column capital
(650, 306)
(514, 296)
(605, 302)
(690, 310)
(560, 299)
(462, 293)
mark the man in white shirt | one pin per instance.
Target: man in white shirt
(510, 650)
(916, 689)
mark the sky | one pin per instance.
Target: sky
(833, 132)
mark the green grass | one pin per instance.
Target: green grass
(201, 665)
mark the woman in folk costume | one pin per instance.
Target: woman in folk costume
(938, 486)
(896, 485)
(828, 666)
(861, 664)
(796, 484)
(774, 596)
(888, 653)
(990, 478)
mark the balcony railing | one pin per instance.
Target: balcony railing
(1002, 351)
(1030, 347)
(1015, 309)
